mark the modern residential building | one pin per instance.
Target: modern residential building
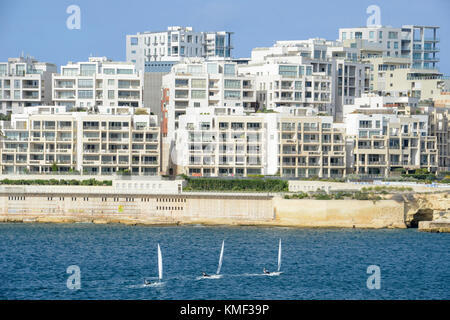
(98, 82)
(175, 44)
(336, 76)
(222, 145)
(202, 83)
(387, 136)
(311, 147)
(395, 74)
(25, 82)
(439, 126)
(48, 138)
(417, 43)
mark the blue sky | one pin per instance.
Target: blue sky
(38, 28)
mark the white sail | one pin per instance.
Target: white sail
(279, 256)
(221, 258)
(160, 266)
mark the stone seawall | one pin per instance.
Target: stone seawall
(340, 213)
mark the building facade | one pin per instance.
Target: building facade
(98, 82)
(49, 139)
(25, 82)
(175, 44)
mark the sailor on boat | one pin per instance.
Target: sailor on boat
(265, 271)
(204, 274)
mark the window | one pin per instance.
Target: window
(212, 68)
(85, 94)
(70, 72)
(16, 94)
(110, 94)
(124, 71)
(380, 34)
(109, 71)
(134, 41)
(232, 84)
(288, 71)
(3, 69)
(229, 69)
(111, 82)
(371, 34)
(198, 94)
(344, 35)
(228, 94)
(198, 83)
(395, 45)
(87, 69)
(16, 83)
(85, 83)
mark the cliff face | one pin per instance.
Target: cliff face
(426, 207)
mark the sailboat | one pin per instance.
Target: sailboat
(160, 270)
(278, 272)
(217, 275)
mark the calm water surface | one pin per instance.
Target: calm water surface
(317, 263)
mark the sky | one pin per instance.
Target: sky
(38, 28)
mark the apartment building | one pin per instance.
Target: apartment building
(395, 74)
(335, 74)
(24, 82)
(200, 83)
(311, 147)
(175, 44)
(439, 126)
(384, 141)
(49, 138)
(222, 145)
(417, 43)
(98, 82)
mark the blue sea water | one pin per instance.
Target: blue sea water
(316, 264)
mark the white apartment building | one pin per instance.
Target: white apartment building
(24, 82)
(226, 145)
(439, 126)
(335, 74)
(386, 137)
(175, 44)
(98, 82)
(200, 83)
(395, 74)
(311, 147)
(49, 137)
(417, 43)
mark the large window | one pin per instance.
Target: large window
(229, 69)
(124, 71)
(70, 72)
(288, 71)
(87, 69)
(85, 94)
(109, 71)
(229, 94)
(3, 69)
(181, 83)
(232, 84)
(198, 83)
(198, 94)
(85, 83)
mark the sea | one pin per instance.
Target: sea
(111, 261)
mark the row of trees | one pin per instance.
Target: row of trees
(217, 184)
